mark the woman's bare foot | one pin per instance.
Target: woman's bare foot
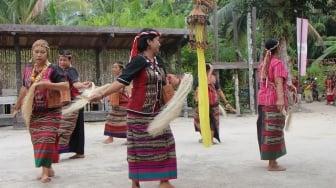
(165, 184)
(45, 179)
(51, 172)
(276, 168)
(108, 140)
(77, 156)
(135, 184)
(273, 166)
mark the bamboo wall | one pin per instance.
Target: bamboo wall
(84, 60)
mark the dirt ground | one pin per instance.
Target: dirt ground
(310, 159)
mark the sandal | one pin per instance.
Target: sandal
(77, 156)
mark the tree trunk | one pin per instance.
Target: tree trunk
(235, 37)
(284, 57)
(215, 20)
(250, 62)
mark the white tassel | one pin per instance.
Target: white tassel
(27, 106)
(173, 107)
(288, 119)
(83, 99)
(222, 110)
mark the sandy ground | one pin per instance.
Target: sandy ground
(310, 162)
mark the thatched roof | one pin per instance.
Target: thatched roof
(84, 37)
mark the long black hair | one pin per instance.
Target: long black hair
(142, 41)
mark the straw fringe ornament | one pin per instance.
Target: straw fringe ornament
(293, 102)
(288, 119)
(173, 108)
(84, 98)
(27, 106)
(222, 111)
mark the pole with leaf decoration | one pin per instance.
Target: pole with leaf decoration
(197, 22)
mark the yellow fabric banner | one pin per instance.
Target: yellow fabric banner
(203, 99)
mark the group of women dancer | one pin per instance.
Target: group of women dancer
(149, 158)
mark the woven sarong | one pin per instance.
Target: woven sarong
(115, 124)
(149, 158)
(214, 120)
(330, 97)
(272, 143)
(44, 136)
(65, 131)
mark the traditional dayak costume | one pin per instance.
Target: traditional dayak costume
(149, 158)
(72, 138)
(115, 124)
(46, 114)
(271, 121)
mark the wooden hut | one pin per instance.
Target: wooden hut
(94, 49)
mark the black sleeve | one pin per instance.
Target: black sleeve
(195, 83)
(132, 69)
(57, 74)
(73, 75)
(217, 86)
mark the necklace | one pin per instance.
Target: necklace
(36, 78)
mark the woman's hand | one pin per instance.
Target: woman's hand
(43, 84)
(280, 105)
(172, 79)
(292, 88)
(228, 106)
(96, 98)
(87, 84)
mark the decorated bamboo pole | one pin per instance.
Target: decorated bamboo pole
(197, 21)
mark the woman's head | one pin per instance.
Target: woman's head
(117, 68)
(64, 59)
(40, 51)
(271, 46)
(147, 35)
(147, 39)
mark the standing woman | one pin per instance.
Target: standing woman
(272, 103)
(214, 94)
(46, 117)
(72, 137)
(149, 158)
(115, 125)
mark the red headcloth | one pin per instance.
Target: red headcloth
(134, 50)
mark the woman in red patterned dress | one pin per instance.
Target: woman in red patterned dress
(115, 125)
(272, 103)
(46, 110)
(149, 158)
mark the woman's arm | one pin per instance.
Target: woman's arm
(221, 94)
(279, 92)
(173, 79)
(80, 85)
(114, 87)
(209, 74)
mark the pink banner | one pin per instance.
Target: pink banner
(302, 48)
